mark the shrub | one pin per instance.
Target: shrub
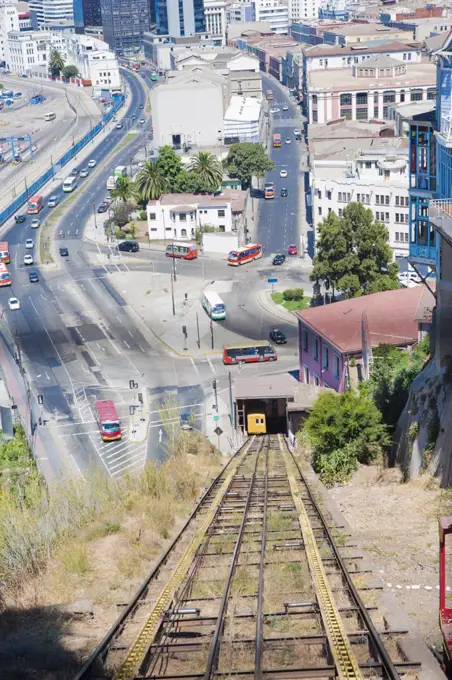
(293, 294)
(337, 466)
(413, 431)
(143, 215)
(120, 233)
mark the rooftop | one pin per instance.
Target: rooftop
(374, 29)
(245, 109)
(415, 109)
(437, 42)
(361, 48)
(379, 61)
(282, 386)
(236, 197)
(239, 29)
(328, 79)
(390, 318)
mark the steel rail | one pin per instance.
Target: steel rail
(117, 627)
(216, 639)
(379, 646)
(260, 589)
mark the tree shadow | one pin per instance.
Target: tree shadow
(39, 642)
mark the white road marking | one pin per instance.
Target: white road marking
(194, 365)
(127, 344)
(131, 334)
(211, 365)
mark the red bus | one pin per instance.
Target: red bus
(4, 252)
(184, 251)
(277, 141)
(136, 67)
(250, 354)
(269, 190)
(245, 254)
(35, 205)
(5, 276)
(269, 95)
(108, 420)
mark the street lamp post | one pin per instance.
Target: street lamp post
(94, 213)
(172, 295)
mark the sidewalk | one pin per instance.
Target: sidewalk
(266, 302)
(229, 440)
(139, 420)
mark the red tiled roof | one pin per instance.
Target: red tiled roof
(390, 319)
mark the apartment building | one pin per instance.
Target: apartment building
(215, 18)
(52, 12)
(94, 60)
(274, 12)
(13, 18)
(26, 50)
(372, 171)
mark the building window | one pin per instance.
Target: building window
(306, 374)
(316, 348)
(326, 358)
(336, 366)
(416, 95)
(346, 99)
(361, 114)
(221, 228)
(152, 216)
(346, 113)
(305, 341)
(182, 217)
(389, 96)
(397, 236)
(361, 98)
(183, 232)
(221, 213)
(320, 211)
(319, 193)
(316, 380)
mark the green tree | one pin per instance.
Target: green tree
(353, 254)
(124, 189)
(56, 63)
(340, 425)
(206, 167)
(150, 182)
(121, 213)
(246, 160)
(169, 164)
(70, 71)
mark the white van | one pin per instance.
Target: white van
(50, 116)
(69, 184)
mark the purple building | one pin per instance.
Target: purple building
(335, 341)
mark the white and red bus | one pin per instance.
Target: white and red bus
(277, 141)
(5, 276)
(4, 252)
(35, 205)
(245, 254)
(108, 420)
(269, 190)
(249, 354)
(269, 95)
(184, 251)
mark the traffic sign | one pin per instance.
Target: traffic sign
(216, 417)
(272, 280)
(218, 431)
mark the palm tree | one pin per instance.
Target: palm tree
(150, 182)
(208, 169)
(123, 190)
(56, 63)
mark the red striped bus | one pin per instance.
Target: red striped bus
(5, 276)
(184, 251)
(4, 252)
(269, 95)
(249, 354)
(35, 205)
(245, 254)
(107, 420)
(277, 141)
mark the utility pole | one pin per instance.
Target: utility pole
(214, 385)
(197, 328)
(94, 213)
(172, 295)
(231, 402)
(174, 265)
(211, 333)
(19, 352)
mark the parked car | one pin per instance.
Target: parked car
(28, 259)
(298, 138)
(129, 246)
(296, 132)
(84, 172)
(19, 219)
(275, 109)
(34, 277)
(53, 201)
(279, 259)
(13, 303)
(64, 252)
(103, 207)
(292, 249)
(277, 336)
(284, 192)
(92, 163)
(119, 126)
(29, 244)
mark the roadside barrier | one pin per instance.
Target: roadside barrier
(69, 155)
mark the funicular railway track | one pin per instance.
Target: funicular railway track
(253, 586)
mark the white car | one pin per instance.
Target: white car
(142, 121)
(285, 107)
(296, 132)
(407, 279)
(283, 173)
(29, 243)
(92, 163)
(275, 109)
(84, 172)
(28, 259)
(35, 223)
(119, 126)
(288, 140)
(13, 303)
(53, 201)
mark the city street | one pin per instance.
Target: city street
(81, 341)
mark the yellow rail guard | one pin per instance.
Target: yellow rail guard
(138, 650)
(344, 658)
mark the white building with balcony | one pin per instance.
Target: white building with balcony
(373, 173)
(13, 17)
(180, 216)
(273, 11)
(92, 57)
(215, 17)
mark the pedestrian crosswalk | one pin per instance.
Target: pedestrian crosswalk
(120, 457)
